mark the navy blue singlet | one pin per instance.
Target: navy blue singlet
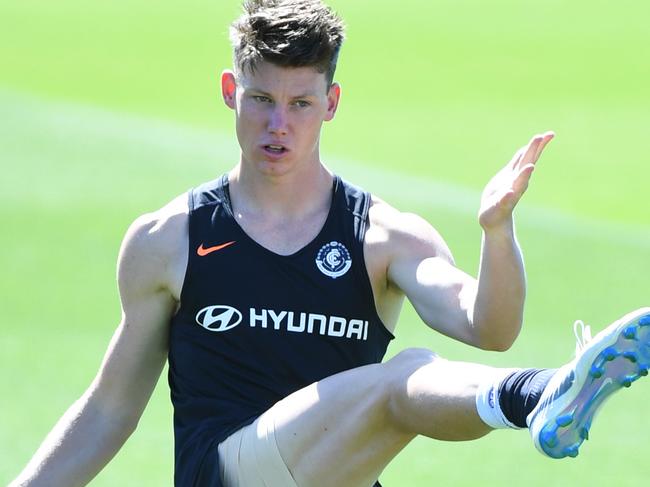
(255, 326)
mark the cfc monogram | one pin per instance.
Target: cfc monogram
(219, 318)
(333, 259)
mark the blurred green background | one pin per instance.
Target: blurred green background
(109, 109)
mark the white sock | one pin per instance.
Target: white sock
(487, 401)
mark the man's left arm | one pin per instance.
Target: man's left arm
(485, 312)
(501, 286)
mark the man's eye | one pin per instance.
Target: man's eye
(261, 99)
(302, 103)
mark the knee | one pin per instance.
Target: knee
(400, 370)
(409, 360)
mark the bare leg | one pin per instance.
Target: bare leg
(345, 429)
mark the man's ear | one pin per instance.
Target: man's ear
(333, 97)
(228, 88)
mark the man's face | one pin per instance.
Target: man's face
(279, 114)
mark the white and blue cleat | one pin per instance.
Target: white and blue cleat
(616, 357)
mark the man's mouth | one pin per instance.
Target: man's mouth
(275, 149)
(278, 149)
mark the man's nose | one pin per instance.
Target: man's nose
(278, 121)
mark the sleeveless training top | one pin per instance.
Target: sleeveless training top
(254, 326)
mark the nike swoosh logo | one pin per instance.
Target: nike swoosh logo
(202, 251)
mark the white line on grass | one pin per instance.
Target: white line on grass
(162, 143)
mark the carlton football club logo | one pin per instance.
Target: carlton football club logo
(333, 259)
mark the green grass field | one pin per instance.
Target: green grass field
(109, 110)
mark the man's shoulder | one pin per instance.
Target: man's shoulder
(397, 232)
(164, 226)
(387, 218)
(156, 242)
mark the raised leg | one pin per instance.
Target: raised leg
(345, 429)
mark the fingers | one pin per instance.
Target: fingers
(520, 183)
(507, 187)
(516, 158)
(530, 153)
(546, 138)
(531, 150)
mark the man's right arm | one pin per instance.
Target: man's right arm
(96, 426)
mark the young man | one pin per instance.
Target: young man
(274, 291)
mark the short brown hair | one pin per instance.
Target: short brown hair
(287, 33)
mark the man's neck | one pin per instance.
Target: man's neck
(292, 195)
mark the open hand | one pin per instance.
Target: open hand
(504, 190)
